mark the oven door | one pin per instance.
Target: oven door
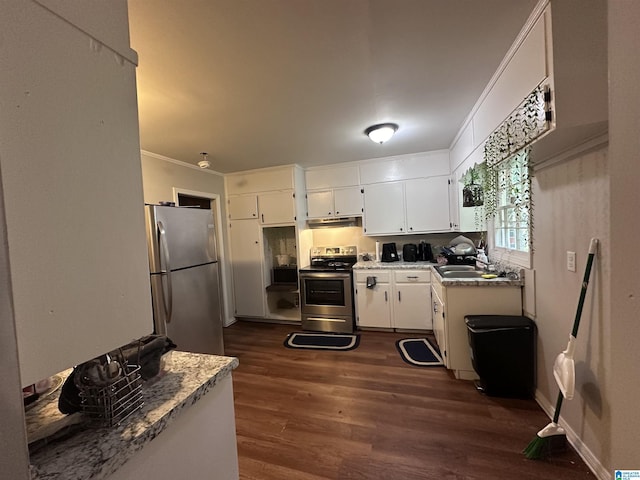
(326, 293)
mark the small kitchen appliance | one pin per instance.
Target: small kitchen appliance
(410, 252)
(389, 253)
(425, 254)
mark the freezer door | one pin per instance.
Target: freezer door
(180, 237)
(196, 322)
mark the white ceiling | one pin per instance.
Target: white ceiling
(257, 83)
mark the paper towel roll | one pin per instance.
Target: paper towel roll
(378, 252)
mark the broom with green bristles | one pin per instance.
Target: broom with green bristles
(553, 435)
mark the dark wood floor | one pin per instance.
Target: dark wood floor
(365, 414)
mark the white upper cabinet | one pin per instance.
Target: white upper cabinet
(255, 181)
(332, 177)
(341, 202)
(384, 209)
(405, 167)
(243, 207)
(348, 201)
(414, 206)
(277, 207)
(427, 204)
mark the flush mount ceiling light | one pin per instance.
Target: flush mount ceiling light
(204, 163)
(382, 132)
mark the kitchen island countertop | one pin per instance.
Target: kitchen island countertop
(95, 453)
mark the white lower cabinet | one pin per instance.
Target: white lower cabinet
(452, 303)
(412, 300)
(399, 299)
(373, 304)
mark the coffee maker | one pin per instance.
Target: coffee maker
(389, 253)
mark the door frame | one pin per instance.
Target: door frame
(222, 260)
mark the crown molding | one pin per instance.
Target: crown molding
(180, 163)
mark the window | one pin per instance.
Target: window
(512, 222)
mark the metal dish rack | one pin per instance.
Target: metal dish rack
(109, 405)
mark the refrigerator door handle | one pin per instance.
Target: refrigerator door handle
(164, 261)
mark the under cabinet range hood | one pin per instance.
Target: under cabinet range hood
(332, 222)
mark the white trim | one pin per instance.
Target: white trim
(574, 439)
(221, 257)
(180, 162)
(591, 144)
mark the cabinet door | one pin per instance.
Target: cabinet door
(373, 305)
(439, 325)
(348, 201)
(277, 207)
(412, 306)
(243, 207)
(320, 204)
(384, 208)
(427, 203)
(246, 262)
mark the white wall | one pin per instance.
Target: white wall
(160, 175)
(571, 205)
(624, 121)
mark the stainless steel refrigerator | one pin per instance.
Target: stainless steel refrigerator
(185, 282)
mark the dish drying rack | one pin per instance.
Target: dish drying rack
(108, 405)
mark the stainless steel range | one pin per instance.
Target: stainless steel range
(326, 290)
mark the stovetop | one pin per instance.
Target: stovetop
(332, 258)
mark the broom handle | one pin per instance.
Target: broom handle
(593, 246)
(556, 415)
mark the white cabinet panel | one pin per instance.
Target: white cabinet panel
(384, 208)
(320, 204)
(412, 300)
(439, 325)
(268, 180)
(332, 177)
(72, 186)
(427, 204)
(341, 202)
(243, 207)
(373, 305)
(246, 262)
(348, 201)
(404, 167)
(277, 207)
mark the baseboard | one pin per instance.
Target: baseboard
(576, 442)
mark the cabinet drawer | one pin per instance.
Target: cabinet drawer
(412, 276)
(381, 275)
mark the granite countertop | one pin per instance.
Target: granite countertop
(94, 452)
(374, 264)
(448, 282)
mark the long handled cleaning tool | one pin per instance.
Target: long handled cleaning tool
(564, 373)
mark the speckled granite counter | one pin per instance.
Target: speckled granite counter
(373, 264)
(95, 453)
(449, 282)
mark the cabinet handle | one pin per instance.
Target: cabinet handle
(412, 276)
(399, 299)
(337, 213)
(410, 228)
(262, 216)
(435, 307)
(385, 296)
(400, 228)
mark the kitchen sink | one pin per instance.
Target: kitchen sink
(461, 274)
(456, 268)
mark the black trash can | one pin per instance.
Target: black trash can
(503, 354)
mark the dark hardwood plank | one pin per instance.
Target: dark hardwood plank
(366, 414)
